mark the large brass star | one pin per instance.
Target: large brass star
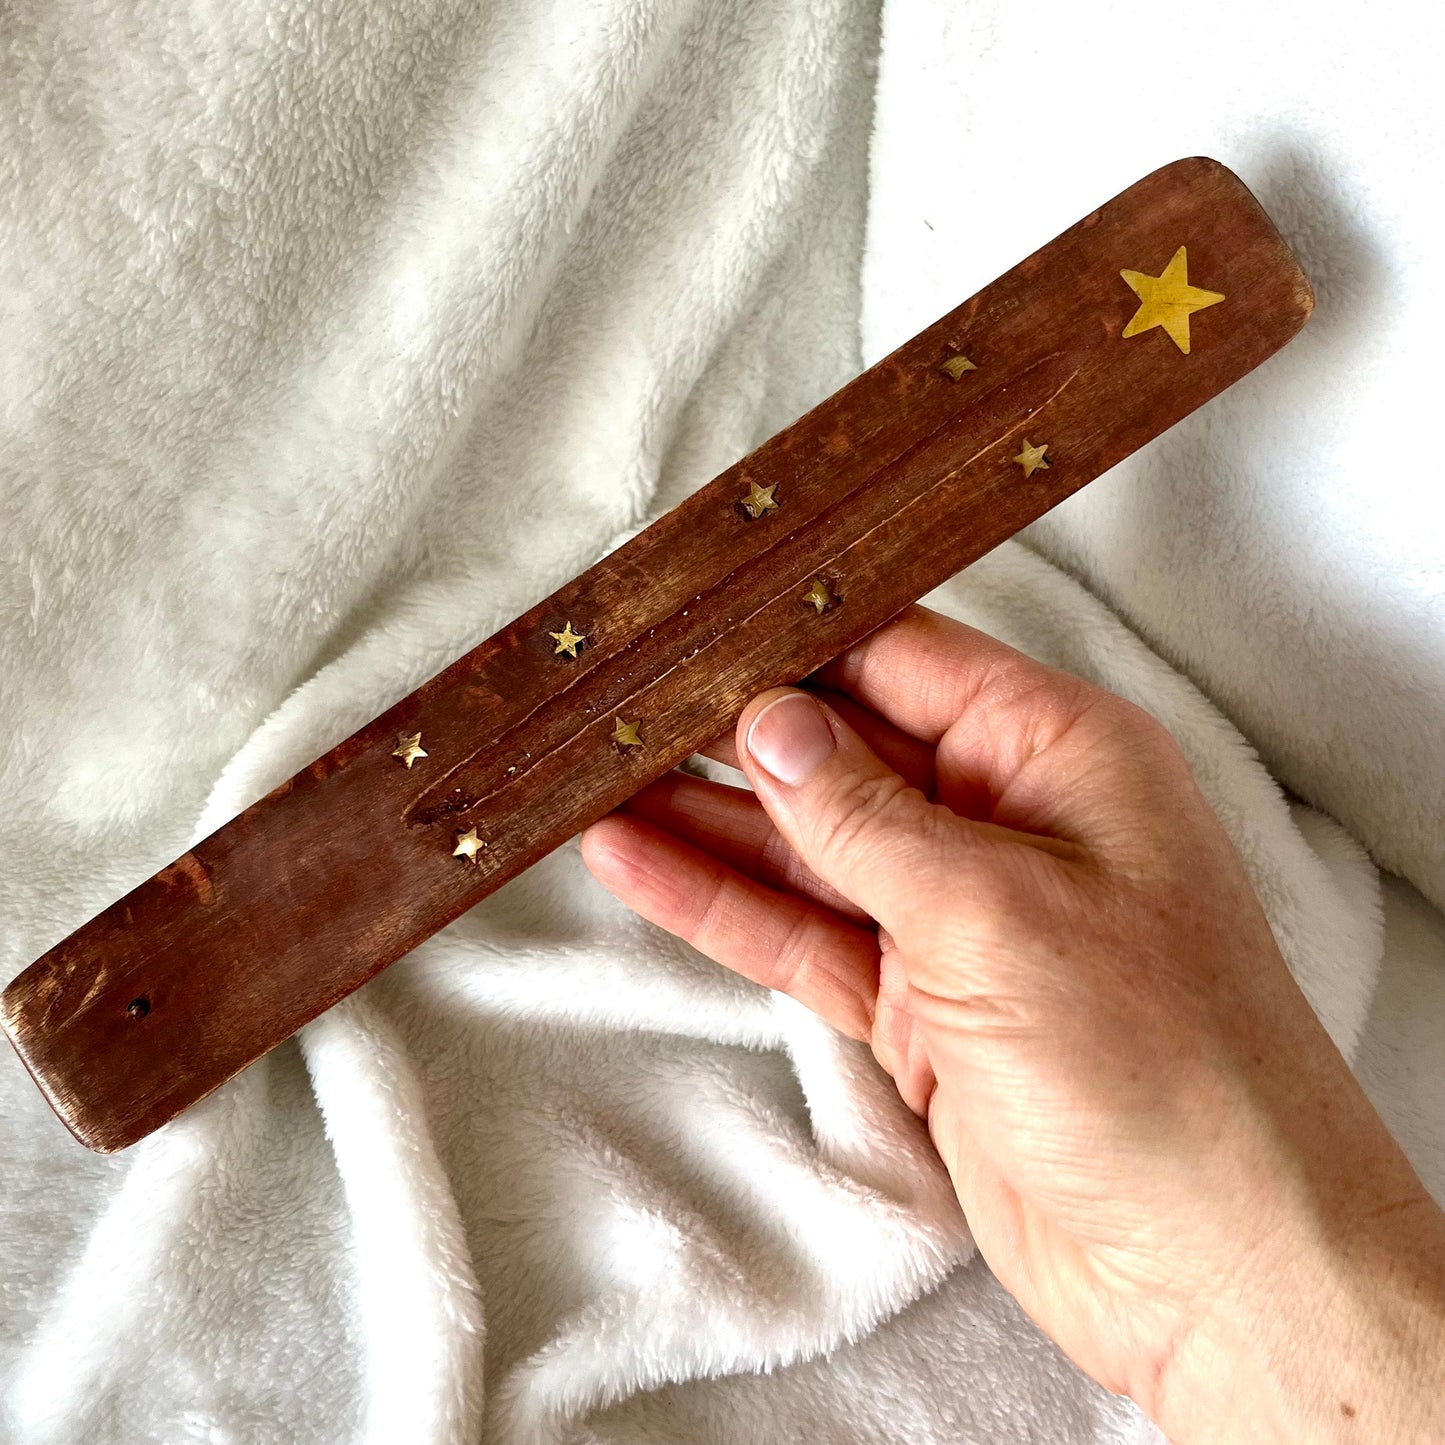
(568, 641)
(468, 845)
(1168, 300)
(409, 749)
(760, 500)
(625, 734)
(1032, 458)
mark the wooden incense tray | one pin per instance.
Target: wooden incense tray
(1091, 347)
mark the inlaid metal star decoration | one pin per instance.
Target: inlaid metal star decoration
(1032, 458)
(568, 641)
(955, 366)
(1168, 300)
(409, 749)
(820, 595)
(468, 845)
(626, 735)
(760, 500)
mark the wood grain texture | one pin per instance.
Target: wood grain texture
(883, 491)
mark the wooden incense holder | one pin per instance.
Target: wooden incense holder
(1077, 357)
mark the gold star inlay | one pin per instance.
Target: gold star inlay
(759, 500)
(568, 641)
(1032, 458)
(819, 595)
(625, 734)
(409, 749)
(1168, 300)
(955, 366)
(468, 845)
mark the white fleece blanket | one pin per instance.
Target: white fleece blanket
(330, 338)
(1284, 547)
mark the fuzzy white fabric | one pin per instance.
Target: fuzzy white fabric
(1285, 546)
(332, 338)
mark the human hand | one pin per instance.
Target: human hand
(1007, 882)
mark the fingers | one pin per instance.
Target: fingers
(904, 754)
(730, 824)
(850, 818)
(1018, 744)
(923, 671)
(989, 709)
(775, 939)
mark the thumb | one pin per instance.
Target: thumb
(850, 818)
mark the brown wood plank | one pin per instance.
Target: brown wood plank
(883, 491)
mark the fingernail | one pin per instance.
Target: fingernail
(790, 737)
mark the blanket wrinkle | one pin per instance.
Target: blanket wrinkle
(417, 1293)
(334, 338)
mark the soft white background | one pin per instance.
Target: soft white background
(330, 338)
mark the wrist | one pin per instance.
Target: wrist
(1333, 1338)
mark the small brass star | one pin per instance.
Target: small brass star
(409, 749)
(820, 595)
(1032, 458)
(468, 845)
(955, 366)
(568, 641)
(759, 500)
(1168, 300)
(625, 734)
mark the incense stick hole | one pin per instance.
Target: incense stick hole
(138, 1008)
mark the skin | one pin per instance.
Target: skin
(1008, 884)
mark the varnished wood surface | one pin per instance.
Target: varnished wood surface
(886, 489)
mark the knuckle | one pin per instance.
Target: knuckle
(1141, 730)
(713, 917)
(799, 945)
(1019, 684)
(1129, 717)
(866, 807)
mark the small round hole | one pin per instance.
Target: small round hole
(138, 1008)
